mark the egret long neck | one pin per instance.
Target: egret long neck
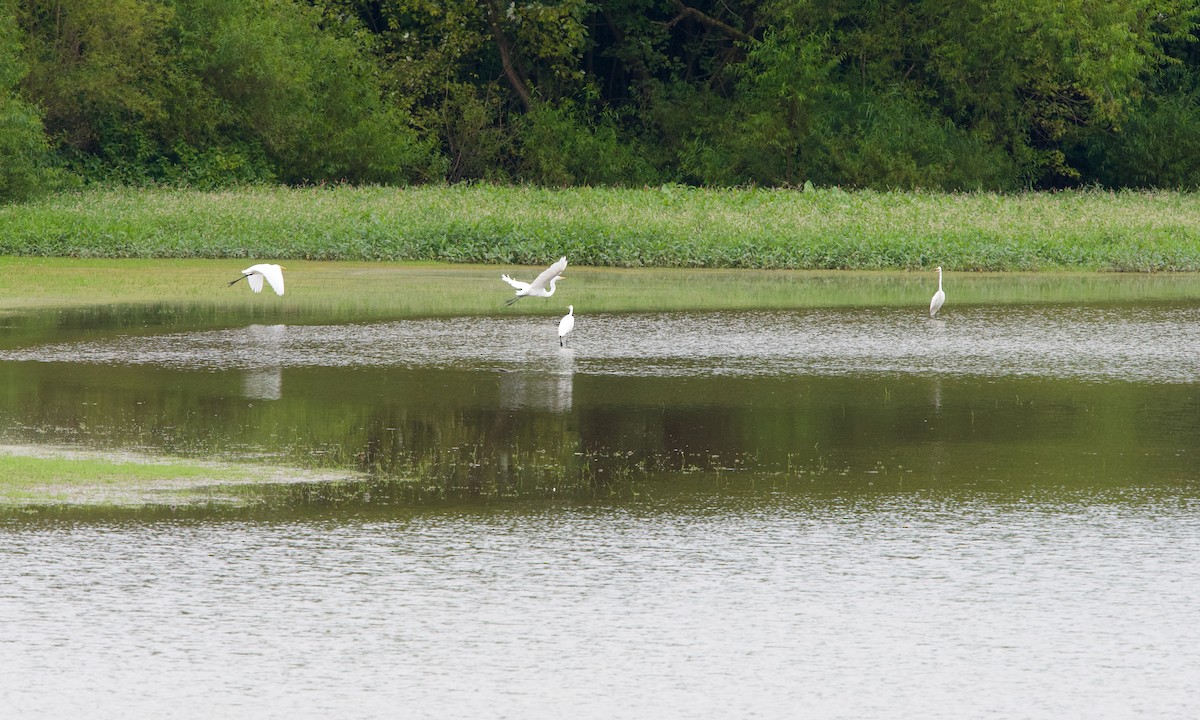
(551, 290)
(939, 278)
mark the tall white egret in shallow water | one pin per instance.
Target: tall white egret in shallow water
(939, 297)
(549, 276)
(255, 274)
(566, 325)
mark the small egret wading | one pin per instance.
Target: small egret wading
(939, 297)
(566, 325)
(549, 276)
(255, 274)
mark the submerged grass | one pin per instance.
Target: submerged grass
(34, 475)
(319, 292)
(671, 226)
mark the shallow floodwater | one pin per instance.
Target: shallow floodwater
(857, 513)
(777, 605)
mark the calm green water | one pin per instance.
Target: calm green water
(853, 512)
(1018, 397)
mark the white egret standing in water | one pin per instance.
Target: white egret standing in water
(538, 286)
(566, 325)
(255, 274)
(939, 297)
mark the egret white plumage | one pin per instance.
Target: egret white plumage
(939, 297)
(549, 276)
(256, 273)
(566, 325)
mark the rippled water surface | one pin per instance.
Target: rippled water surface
(835, 513)
(1155, 342)
(887, 606)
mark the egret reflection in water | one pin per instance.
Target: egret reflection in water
(263, 384)
(266, 345)
(551, 390)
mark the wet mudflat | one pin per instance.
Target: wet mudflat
(855, 512)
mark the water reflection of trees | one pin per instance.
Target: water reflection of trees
(487, 433)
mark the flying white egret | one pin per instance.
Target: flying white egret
(256, 273)
(939, 297)
(566, 325)
(550, 275)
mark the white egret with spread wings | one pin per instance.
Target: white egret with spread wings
(256, 273)
(538, 287)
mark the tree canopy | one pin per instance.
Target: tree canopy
(992, 94)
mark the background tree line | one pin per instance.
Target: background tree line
(986, 94)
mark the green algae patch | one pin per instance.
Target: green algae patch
(44, 475)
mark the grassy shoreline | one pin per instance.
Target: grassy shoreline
(357, 291)
(667, 227)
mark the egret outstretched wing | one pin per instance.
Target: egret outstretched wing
(515, 283)
(255, 274)
(538, 287)
(274, 276)
(540, 282)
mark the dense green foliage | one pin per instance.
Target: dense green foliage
(991, 95)
(24, 149)
(670, 226)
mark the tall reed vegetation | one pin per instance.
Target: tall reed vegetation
(668, 226)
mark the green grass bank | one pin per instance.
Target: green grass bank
(666, 227)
